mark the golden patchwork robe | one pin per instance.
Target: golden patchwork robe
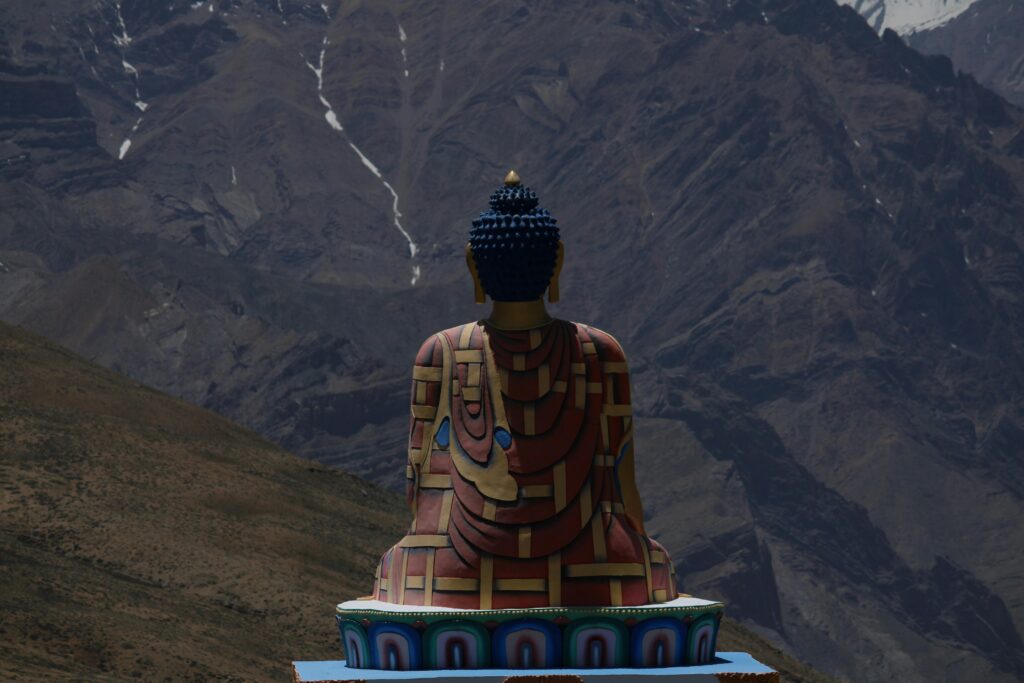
(520, 476)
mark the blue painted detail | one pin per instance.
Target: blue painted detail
(341, 626)
(503, 438)
(676, 649)
(441, 436)
(622, 453)
(700, 640)
(508, 636)
(406, 635)
(724, 662)
(477, 645)
(357, 648)
(578, 643)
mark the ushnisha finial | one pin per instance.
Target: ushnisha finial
(512, 179)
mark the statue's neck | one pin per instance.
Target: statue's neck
(518, 315)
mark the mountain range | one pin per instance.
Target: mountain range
(985, 42)
(982, 37)
(909, 16)
(807, 237)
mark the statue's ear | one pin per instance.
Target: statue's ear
(553, 293)
(478, 288)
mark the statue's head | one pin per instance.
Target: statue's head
(514, 253)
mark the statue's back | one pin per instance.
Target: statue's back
(520, 475)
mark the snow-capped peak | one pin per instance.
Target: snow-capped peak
(908, 16)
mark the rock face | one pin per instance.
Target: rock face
(984, 41)
(982, 37)
(807, 238)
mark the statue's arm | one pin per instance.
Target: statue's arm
(616, 374)
(426, 384)
(614, 368)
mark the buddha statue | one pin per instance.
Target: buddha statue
(520, 471)
(527, 546)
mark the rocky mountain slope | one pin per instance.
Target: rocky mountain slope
(807, 237)
(145, 538)
(984, 41)
(982, 37)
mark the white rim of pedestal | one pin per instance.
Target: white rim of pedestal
(370, 606)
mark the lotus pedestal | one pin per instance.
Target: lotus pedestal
(666, 641)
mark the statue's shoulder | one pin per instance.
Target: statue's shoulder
(460, 336)
(430, 354)
(608, 347)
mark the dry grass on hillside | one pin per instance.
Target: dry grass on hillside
(144, 536)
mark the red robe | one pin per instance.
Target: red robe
(520, 476)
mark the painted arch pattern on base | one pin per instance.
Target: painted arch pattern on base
(530, 642)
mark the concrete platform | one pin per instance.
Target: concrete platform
(728, 666)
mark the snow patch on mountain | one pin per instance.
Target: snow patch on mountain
(394, 205)
(332, 120)
(908, 16)
(126, 145)
(405, 55)
(123, 42)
